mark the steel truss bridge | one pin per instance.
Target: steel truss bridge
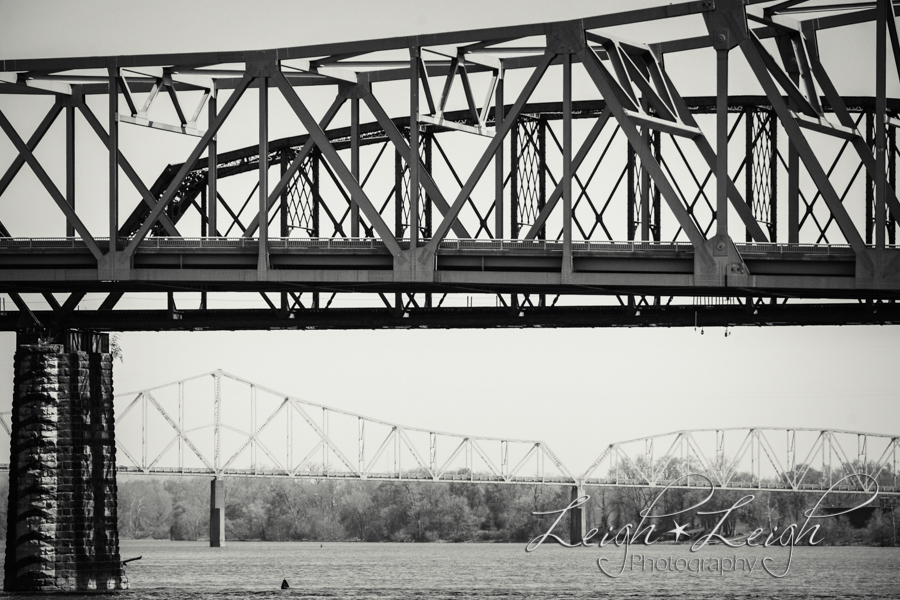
(220, 425)
(537, 175)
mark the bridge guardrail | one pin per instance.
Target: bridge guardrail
(470, 244)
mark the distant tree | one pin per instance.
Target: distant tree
(359, 515)
(145, 509)
(879, 530)
(191, 507)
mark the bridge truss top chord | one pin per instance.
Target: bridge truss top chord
(384, 151)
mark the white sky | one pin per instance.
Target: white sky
(576, 389)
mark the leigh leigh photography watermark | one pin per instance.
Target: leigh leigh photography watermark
(645, 534)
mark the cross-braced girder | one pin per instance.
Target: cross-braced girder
(796, 172)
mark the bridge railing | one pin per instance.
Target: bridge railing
(162, 242)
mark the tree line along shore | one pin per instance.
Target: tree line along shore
(282, 509)
(330, 510)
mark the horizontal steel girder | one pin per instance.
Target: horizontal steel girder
(702, 315)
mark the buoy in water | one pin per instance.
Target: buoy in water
(284, 584)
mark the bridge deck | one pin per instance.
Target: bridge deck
(223, 264)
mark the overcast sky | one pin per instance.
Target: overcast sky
(576, 389)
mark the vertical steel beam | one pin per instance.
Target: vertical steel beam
(862, 451)
(750, 160)
(315, 157)
(289, 430)
(354, 164)
(212, 162)
(113, 158)
(542, 172)
(793, 194)
(773, 176)
(632, 203)
(70, 165)
(396, 451)
(325, 446)
(567, 265)
(398, 195)
(180, 426)
(892, 179)
(722, 141)
(144, 432)
(217, 391)
(791, 451)
(514, 179)
(432, 453)
(203, 212)
(262, 266)
(362, 447)
(283, 162)
(645, 181)
(880, 113)
(427, 140)
(498, 160)
(413, 162)
(870, 178)
(253, 428)
(657, 224)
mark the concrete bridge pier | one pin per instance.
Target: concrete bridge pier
(577, 517)
(216, 513)
(62, 534)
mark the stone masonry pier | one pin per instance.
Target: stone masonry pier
(62, 533)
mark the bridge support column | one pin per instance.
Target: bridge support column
(216, 513)
(62, 533)
(576, 518)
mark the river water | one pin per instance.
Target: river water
(192, 570)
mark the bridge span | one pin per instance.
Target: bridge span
(546, 175)
(527, 176)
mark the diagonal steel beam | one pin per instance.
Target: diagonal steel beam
(50, 186)
(331, 155)
(843, 115)
(188, 164)
(403, 150)
(752, 50)
(601, 79)
(177, 429)
(709, 155)
(35, 139)
(553, 200)
(66, 309)
(295, 164)
(132, 175)
(501, 131)
(24, 309)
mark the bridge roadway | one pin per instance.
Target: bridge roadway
(483, 478)
(778, 272)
